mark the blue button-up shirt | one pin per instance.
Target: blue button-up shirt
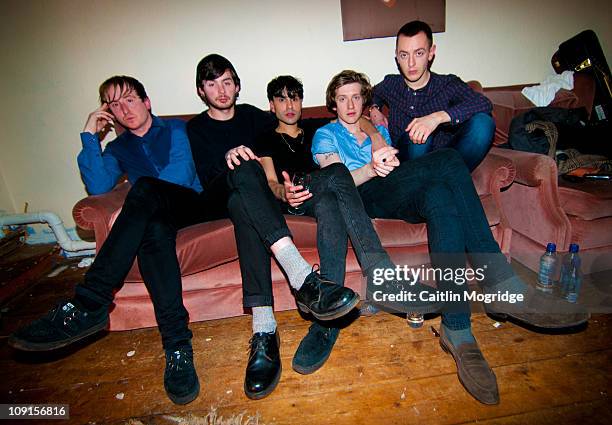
(163, 152)
(335, 138)
(441, 93)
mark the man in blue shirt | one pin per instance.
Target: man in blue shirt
(437, 189)
(165, 197)
(428, 111)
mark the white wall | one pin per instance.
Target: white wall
(55, 53)
(6, 203)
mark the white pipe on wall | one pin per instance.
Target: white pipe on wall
(54, 222)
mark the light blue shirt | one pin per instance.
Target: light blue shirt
(335, 138)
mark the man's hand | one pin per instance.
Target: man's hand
(421, 128)
(98, 119)
(232, 156)
(378, 118)
(384, 160)
(294, 194)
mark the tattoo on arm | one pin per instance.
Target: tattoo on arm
(328, 155)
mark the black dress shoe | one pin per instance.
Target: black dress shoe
(264, 367)
(314, 349)
(325, 299)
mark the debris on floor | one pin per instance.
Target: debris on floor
(57, 270)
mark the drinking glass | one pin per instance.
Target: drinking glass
(300, 179)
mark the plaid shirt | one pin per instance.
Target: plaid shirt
(442, 93)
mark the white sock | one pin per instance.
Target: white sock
(263, 319)
(294, 265)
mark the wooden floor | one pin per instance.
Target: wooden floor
(381, 372)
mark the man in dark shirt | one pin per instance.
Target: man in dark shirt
(164, 198)
(221, 141)
(331, 197)
(428, 111)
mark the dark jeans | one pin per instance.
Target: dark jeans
(472, 139)
(258, 224)
(438, 189)
(339, 211)
(146, 228)
(153, 212)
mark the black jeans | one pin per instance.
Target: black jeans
(339, 211)
(438, 189)
(146, 228)
(152, 214)
(258, 224)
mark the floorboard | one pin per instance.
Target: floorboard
(381, 371)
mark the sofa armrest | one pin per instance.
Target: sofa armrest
(95, 212)
(493, 174)
(532, 169)
(532, 204)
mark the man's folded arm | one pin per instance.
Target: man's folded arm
(99, 170)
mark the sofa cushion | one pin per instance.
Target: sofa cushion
(589, 201)
(591, 233)
(208, 245)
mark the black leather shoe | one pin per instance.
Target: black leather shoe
(400, 296)
(314, 349)
(180, 378)
(539, 310)
(65, 324)
(325, 299)
(264, 367)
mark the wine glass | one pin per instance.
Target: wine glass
(300, 179)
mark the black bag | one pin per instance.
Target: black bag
(536, 138)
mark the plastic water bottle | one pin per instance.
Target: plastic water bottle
(571, 276)
(548, 269)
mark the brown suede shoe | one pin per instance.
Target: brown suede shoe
(473, 370)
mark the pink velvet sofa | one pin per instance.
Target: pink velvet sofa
(209, 261)
(543, 208)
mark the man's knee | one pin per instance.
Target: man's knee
(145, 187)
(338, 173)
(449, 157)
(246, 172)
(482, 127)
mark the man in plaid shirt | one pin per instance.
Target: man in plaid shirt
(428, 111)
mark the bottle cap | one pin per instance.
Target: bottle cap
(574, 248)
(551, 247)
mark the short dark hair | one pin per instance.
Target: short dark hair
(212, 67)
(125, 83)
(293, 86)
(342, 79)
(412, 28)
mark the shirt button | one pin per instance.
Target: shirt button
(456, 120)
(415, 93)
(412, 107)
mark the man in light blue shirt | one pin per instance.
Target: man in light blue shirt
(436, 189)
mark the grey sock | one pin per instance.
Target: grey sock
(513, 285)
(294, 265)
(460, 336)
(263, 319)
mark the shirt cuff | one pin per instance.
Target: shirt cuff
(90, 141)
(455, 117)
